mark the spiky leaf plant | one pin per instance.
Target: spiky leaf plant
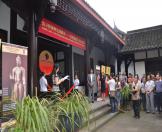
(74, 110)
(125, 92)
(78, 108)
(52, 114)
(31, 116)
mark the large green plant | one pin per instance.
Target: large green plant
(77, 107)
(52, 114)
(73, 111)
(56, 109)
(32, 116)
(125, 92)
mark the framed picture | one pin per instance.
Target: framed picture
(103, 69)
(108, 70)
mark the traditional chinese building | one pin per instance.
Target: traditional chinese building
(68, 30)
(142, 53)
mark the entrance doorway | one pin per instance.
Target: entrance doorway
(79, 67)
(61, 56)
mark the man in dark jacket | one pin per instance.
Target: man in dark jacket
(91, 81)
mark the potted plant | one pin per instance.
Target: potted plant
(77, 108)
(31, 116)
(52, 114)
(125, 94)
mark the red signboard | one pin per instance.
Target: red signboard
(55, 31)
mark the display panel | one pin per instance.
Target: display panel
(14, 76)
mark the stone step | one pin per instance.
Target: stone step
(99, 105)
(98, 110)
(99, 113)
(96, 124)
(93, 110)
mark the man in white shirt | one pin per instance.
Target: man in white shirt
(43, 84)
(149, 87)
(112, 91)
(111, 83)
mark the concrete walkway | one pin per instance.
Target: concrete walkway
(126, 123)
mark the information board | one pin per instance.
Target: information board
(14, 76)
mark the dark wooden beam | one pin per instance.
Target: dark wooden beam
(119, 65)
(13, 25)
(134, 67)
(68, 63)
(87, 65)
(32, 56)
(158, 52)
(126, 67)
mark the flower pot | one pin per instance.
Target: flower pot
(68, 124)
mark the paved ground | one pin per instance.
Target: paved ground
(126, 123)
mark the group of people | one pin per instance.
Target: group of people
(101, 82)
(152, 92)
(145, 93)
(56, 81)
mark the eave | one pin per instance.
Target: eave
(86, 8)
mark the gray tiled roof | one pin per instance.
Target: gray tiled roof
(143, 39)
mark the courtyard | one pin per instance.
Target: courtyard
(125, 122)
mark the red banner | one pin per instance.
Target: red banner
(69, 91)
(55, 31)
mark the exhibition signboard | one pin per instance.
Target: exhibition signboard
(14, 76)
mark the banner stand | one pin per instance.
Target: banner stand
(14, 76)
(0, 82)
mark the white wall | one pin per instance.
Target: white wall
(5, 18)
(152, 53)
(116, 66)
(140, 68)
(131, 68)
(140, 55)
(122, 67)
(20, 23)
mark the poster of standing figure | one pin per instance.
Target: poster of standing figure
(14, 76)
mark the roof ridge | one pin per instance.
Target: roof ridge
(145, 29)
(144, 39)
